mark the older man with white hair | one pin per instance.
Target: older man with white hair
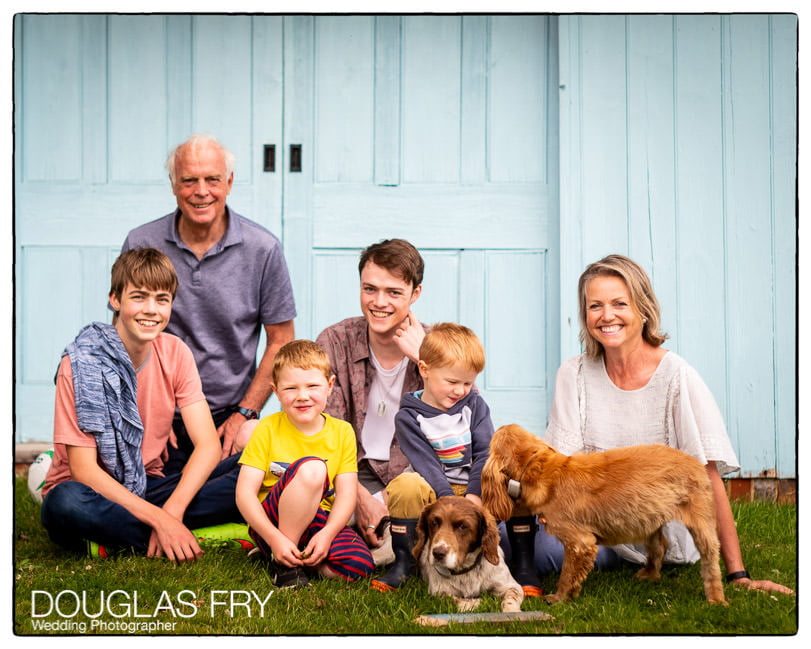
(233, 282)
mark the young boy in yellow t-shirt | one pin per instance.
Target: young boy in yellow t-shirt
(297, 485)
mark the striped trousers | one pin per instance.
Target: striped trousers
(348, 554)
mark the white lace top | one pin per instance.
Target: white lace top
(676, 408)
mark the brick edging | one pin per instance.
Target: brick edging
(772, 490)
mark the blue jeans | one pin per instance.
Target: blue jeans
(179, 456)
(73, 513)
(549, 552)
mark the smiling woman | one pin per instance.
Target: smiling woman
(627, 390)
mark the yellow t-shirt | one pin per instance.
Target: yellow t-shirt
(276, 443)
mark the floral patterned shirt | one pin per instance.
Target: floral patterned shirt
(347, 345)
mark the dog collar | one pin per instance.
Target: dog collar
(514, 486)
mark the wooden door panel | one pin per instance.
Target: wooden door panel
(101, 99)
(456, 163)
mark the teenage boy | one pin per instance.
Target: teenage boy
(298, 482)
(117, 388)
(375, 360)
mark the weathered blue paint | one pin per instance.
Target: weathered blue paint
(513, 150)
(678, 146)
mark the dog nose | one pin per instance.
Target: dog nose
(439, 553)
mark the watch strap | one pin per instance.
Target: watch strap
(740, 574)
(247, 413)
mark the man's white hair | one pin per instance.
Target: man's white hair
(196, 140)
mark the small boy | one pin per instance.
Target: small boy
(298, 482)
(445, 428)
(445, 431)
(117, 388)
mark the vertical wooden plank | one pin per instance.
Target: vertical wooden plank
(95, 120)
(442, 288)
(651, 160)
(19, 87)
(571, 180)
(178, 80)
(516, 133)
(388, 50)
(604, 131)
(221, 91)
(44, 337)
(344, 99)
(554, 311)
(430, 103)
(336, 287)
(473, 306)
(94, 283)
(267, 92)
(297, 199)
(512, 335)
(473, 156)
(51, 64)
(699, 199)
(783, 70)
(747, 189)
(138, 103)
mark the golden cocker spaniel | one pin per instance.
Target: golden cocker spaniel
(624, 495)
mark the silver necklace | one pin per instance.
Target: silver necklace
(387, 383)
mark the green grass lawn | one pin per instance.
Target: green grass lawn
(224, 593)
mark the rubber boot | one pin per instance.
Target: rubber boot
(521, 534)
(403, 537)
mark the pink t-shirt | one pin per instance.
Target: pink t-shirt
(167, 379)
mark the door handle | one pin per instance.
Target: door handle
(295, 157)
(269, 158)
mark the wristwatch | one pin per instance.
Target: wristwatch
(247, 413)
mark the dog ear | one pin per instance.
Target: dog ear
(494, 486)
(422, 532)
(490, 536)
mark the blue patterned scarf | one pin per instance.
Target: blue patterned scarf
(105, 386)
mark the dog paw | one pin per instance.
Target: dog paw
(647, 575)
(466, 604)
(554, 598)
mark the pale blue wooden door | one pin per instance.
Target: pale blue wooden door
(689, 166)
(437, 130)
(100, 100)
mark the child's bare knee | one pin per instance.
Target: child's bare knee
(312, 473)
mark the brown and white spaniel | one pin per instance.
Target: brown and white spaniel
(459, 556)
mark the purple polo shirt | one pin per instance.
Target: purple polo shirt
(223, 299)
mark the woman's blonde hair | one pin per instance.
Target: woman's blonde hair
(302, 354)
(448, 343)
(643, 300)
